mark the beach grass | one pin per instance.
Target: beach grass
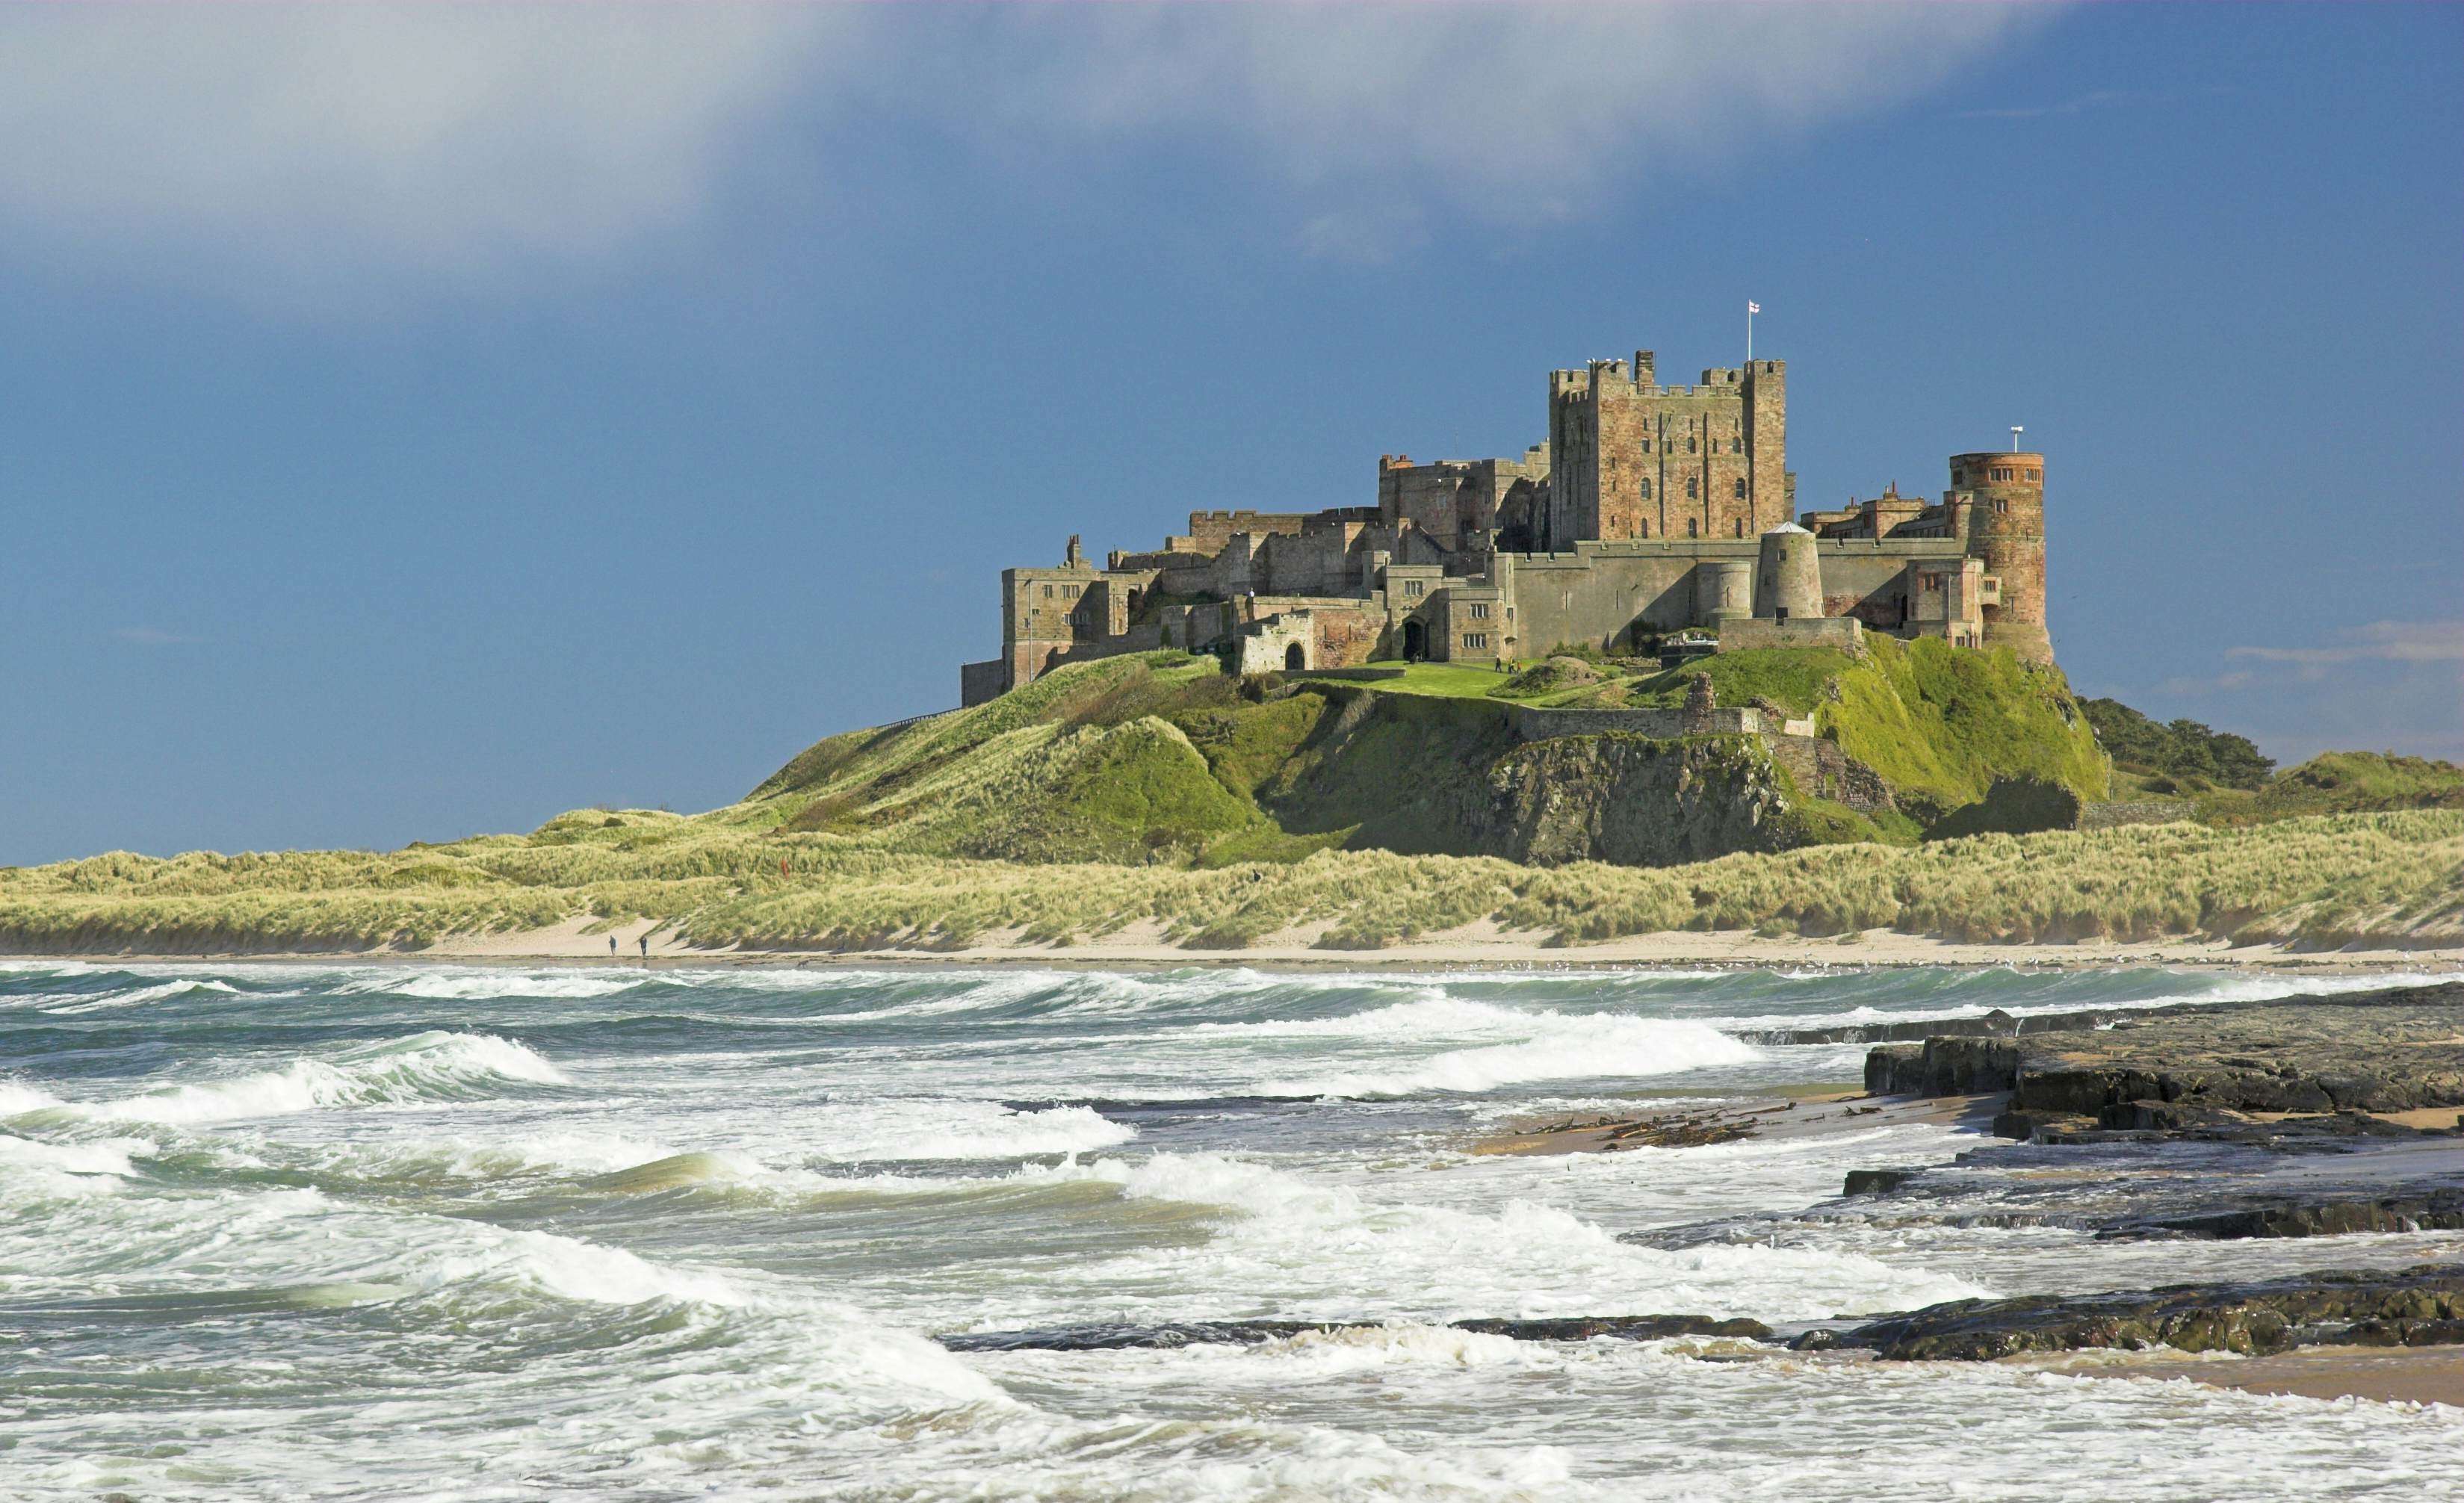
(734, 877)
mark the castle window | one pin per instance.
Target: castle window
(1478, 638)
(2001, 508)
(2035, 474)
(1741, 527)
(1479, 611)
(1645, 528)
(1646, 486)
(1741, 488)
(1692, 489)
(1689, 527)
(1414, 586)
(1689, 446)
(1047, 592)
(1736, 446)
(1646, 446)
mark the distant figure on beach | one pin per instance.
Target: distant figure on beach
(611, 947)
(646, 944)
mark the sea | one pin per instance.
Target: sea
(375, 1230)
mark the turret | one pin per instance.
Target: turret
(2006, 529)
(1787, 580)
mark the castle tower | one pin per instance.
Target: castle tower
(1787, 580)
(2006, 529)
(1632, 459)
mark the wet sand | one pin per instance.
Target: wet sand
(2405, 1374)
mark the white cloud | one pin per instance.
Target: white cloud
(2392, 641)
(1499, 110)
(327, 148)
(321, 148)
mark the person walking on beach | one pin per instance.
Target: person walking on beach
(611, 947)
(646, 944)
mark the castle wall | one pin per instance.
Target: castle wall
(1209, 531)
(1601, 594)
(1456, 502)
(1845, 633)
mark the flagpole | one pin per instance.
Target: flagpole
(1750, 334)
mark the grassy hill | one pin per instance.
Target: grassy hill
(1154, 789)
(1159, 757)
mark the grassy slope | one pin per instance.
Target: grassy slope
(716, 878)
(1145, 762)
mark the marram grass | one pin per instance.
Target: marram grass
(718, 878)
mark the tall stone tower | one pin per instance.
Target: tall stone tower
(2006, 529)
(1630, 458)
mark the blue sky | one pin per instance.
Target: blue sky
(422, 421)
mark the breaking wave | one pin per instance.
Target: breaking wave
(1527, 1047)
(1314, 1249)
(430, 1066)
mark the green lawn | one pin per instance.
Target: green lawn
(1446, 680)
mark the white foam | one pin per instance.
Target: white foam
(1540, 1046)
(34, 1169)
(481, 985)
(1313, 1248)
(423, 1065)
(908, 1128)
(140, 996)
(17, 1099)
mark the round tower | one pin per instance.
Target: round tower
(1724, 591)
(1788, 581)
(2006, 529)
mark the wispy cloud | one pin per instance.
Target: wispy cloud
(2392, 641)
(326, 148)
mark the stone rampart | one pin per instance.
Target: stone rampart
(1539, 725)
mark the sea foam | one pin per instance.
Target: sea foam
(1529, 1047)
(434, 1065)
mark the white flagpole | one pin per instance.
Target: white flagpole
(1750, 334)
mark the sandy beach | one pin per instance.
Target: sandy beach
(1478, 945)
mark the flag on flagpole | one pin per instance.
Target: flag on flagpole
(1753, 307)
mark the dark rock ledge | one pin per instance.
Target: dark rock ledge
(2420, 1306)
(1111, 1337)
(2204, 1073)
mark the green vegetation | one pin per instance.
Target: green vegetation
(1153, 789)
(2343, 782)
(716, 878)
(2183, 752)
(1794, 678)
(1445, 680)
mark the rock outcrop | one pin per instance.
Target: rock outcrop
(2420, 1306)
(2394, 1050)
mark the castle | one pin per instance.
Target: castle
(1650, 508)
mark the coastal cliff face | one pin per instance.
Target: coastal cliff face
(1433, 776)
(1636, 801)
